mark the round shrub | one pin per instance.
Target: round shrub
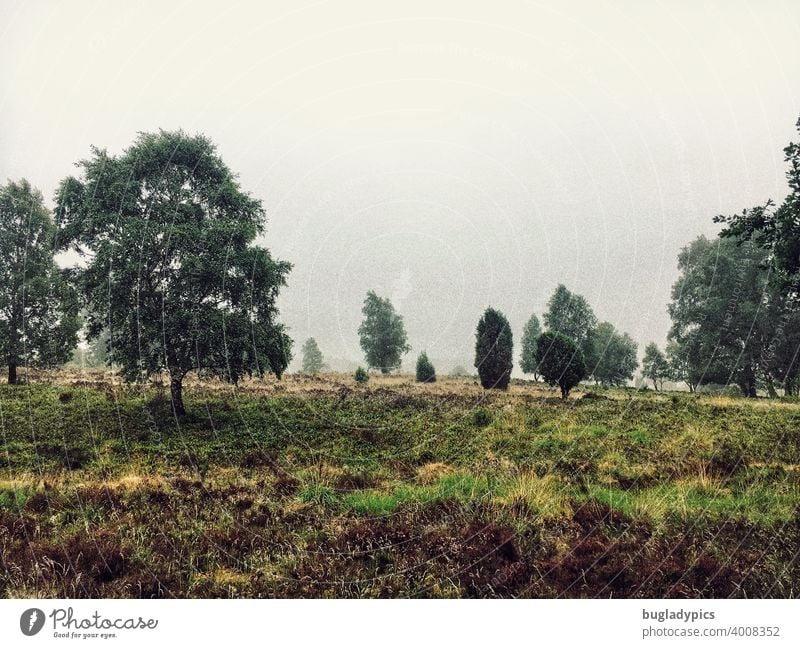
(361, 375)
(560, 361)
(481, 417)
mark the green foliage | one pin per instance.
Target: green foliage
(782, 356)
(771, 354)
(775, 230)
(494, 348)
(731, 324)
(529, 336)
(312, 357)
(615, 360)
(680, 369)
(655, 366)
(570, 315)
(382, 334)
(39, 309)
(14, 499)
(361, 375)
(560, 361)
(189, 290)
(425, 370)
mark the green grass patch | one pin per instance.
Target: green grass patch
(699, 503)
(14, 499)
(461, 487)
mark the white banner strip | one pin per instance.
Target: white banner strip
(399, 623)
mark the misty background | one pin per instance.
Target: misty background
(448, 155)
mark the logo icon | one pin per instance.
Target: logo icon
(31, 621)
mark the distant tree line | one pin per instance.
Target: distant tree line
(573, 347)
(172, 281)
(735, 312)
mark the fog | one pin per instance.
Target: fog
(448, 155)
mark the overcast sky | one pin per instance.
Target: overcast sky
(449, 155)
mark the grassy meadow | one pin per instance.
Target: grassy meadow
(319, 487)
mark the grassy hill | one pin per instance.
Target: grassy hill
(320, 487)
